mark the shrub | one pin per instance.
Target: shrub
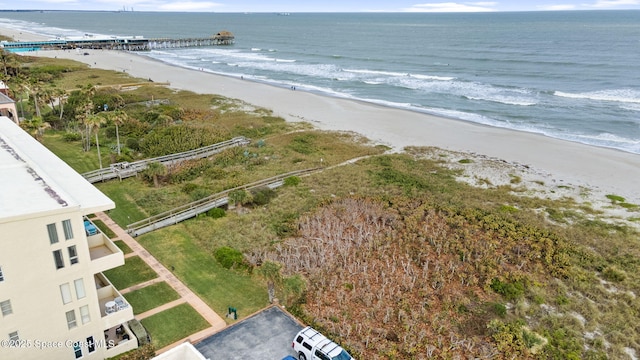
(615, 198)
(499, 309)
(612, 273)
(228, 257)
(132, 143)
(188, 188)
(292, 181)
(304, 144)
(217, 213)
(262, 195)
(71, 137)
(510, 291)
(199, 193)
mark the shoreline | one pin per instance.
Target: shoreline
(604, 170)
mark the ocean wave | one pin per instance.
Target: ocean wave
(505, 100)
(398, 74)
(613, 95)
(605, 139)
(631, 107)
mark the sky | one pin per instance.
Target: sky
(319, 5)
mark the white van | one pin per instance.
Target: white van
(311, 345)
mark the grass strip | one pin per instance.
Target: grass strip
(150, 297)
(173, 324)
(134, 271)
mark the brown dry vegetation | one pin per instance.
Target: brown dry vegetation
(404, 279)
(400, 261)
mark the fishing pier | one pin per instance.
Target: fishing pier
(127, 43)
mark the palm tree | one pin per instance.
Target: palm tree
(154, 170)
(20, 85)
(61, 95)
(94, 121)
(35, 126)
(118, 117)
(84, 110)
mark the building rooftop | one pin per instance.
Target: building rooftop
(4, 99)
(33, 180)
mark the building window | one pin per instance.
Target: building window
(57, 257)
(14, 336)
(53, 233)
(65, 291)
(5, 306)
(77, 350)
(91, 345)
(68, 231)
(71, 319)
(84, 315)
(1, 275)
(73, 255)
(79, 288)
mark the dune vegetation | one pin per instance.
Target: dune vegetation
(389, 255)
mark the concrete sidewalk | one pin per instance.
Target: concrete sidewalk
(186, 295)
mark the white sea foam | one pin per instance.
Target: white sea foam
(615, 95)
(398, 74)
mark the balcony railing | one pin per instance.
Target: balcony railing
(118, 343)
(114, 309)
(103, 252)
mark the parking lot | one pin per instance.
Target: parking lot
(266, 335)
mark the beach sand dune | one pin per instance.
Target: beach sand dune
(605, 171)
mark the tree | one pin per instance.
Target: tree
(84, 109)
(20, 85)
(270, 271)
(154, 170)
(35, 126)
(238, 197)
(118, 117)
(60, 94)
(93, 122)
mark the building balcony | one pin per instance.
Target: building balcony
(103, 252)
(119, 339)
(114, 309)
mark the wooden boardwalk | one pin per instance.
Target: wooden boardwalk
(192, 209)
(125, 170)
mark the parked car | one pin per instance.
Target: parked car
(288, 357)
(312, 345)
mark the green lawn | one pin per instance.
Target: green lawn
(199, 270)
(104, 228)
(150, 297)
(72, 153)
(134, 271)
(126, 211)
(123, 246)
(173, 324)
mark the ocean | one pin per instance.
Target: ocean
(568, 75)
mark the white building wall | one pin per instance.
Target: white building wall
(31, 282)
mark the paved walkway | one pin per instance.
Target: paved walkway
(186, 295)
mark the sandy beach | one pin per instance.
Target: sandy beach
(558, 162)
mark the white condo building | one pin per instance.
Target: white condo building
(55, 303)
